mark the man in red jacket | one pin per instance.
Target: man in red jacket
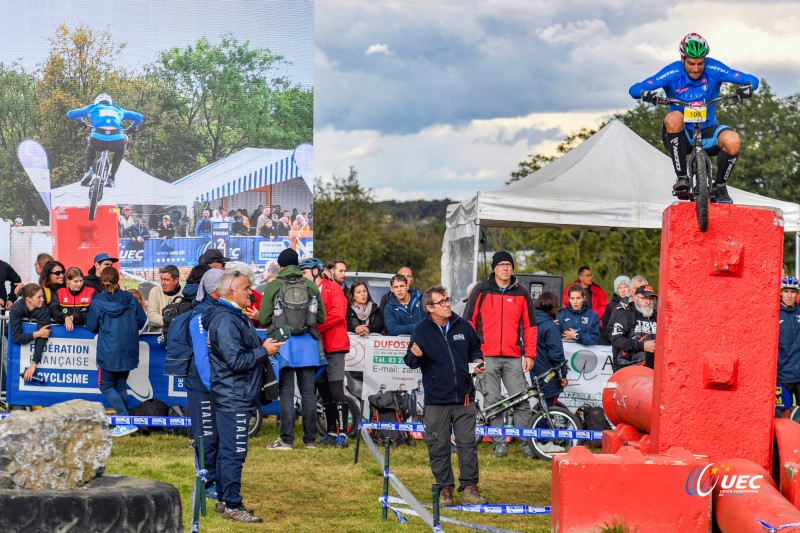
(596, 298)
(336, 344)
(498, 308)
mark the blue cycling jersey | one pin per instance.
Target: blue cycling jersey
(106, 116)
(678, 85)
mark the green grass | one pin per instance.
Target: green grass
(321, 489)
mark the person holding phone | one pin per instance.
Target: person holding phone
(30, 307)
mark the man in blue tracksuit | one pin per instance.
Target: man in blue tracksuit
(443, 345)
(403, 307)
(789, 338)
(697, 78)
(107, 133)
(235, 354)
(577, 322)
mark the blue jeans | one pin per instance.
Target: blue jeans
(114, 386)
(305, 382)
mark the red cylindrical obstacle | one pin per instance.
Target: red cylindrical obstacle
(628, 397)
(746, 500)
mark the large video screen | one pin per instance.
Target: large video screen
(154, 131)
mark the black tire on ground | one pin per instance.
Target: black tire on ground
(562, 419)
(353, 418)
(255, 424)
(109, 503)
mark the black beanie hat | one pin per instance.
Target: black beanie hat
(501, 256)
(288, 257)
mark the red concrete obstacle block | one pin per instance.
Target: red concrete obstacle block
(621, 435)
(787, 435)
(717, 335)
(645, 492)
(745, 496)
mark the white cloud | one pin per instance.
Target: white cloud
(378, 49)
(574, 32)
(443, 161)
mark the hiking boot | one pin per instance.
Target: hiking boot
(681, 184)
(87, 178)
(721, 195)
(121, 431)
(341, 441)
(328, 440)
(501, 449)
(446, 497)
(472, 496)
(220, 508)
(240, 514)
(527, 450)
(280, 445)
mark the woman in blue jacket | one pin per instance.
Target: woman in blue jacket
(549, 349)
(116, 316)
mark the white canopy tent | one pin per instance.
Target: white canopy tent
(133, 187)
(614, 179)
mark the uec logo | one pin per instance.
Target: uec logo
(701, 481)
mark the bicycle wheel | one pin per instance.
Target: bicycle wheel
(95, 193)
(562, 419)
(701, 203)
(255, 423)
(353, 417)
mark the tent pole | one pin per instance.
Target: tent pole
(476, 250)
(797, 253)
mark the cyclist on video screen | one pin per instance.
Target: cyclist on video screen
(107, 133)
(697, 78)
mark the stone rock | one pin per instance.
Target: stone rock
(55, 448)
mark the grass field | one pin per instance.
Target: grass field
(321, 489)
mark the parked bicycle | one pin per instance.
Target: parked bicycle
(544, 416)
(701, 180)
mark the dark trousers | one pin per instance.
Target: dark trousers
(204, 423)
(114, 386)
(116, 147)
(232, 428)
(305, 382)
(440, 421)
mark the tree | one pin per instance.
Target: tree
(224, 94)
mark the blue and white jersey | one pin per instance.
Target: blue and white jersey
(678, 85)
(106, 120)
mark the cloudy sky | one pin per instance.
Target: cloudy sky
(435, 99)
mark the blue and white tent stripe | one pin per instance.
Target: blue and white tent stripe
(277, 172)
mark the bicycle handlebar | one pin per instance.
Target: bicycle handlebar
(556, 369)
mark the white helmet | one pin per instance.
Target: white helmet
(103, 97)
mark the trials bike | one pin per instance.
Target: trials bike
(102, 171)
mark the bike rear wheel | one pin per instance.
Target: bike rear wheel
(255, 423)
(703, 173)
(353, 418)
(545, 448)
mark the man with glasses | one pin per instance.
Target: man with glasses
(633, 333)
(442, 346)
(499, 308)
(596, 297)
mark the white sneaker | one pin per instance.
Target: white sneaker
(550, 448)
(280, 445)
(121, 431)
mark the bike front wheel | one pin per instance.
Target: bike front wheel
(563, 418)
(95, 193)
(701, 204)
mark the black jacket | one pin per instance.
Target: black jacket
(629, 331)
(374, 322)
(93, 280)
(235, 355)
(7, 273)
(615, 303)
(445, 360)
(18, 313)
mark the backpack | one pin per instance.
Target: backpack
(386, 408)
(178, 341)
(294, 306)
(151, 407)
(594, 419)
(171, 311)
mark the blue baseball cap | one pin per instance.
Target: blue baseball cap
(99, 258)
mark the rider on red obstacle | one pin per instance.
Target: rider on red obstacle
(697, 78)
